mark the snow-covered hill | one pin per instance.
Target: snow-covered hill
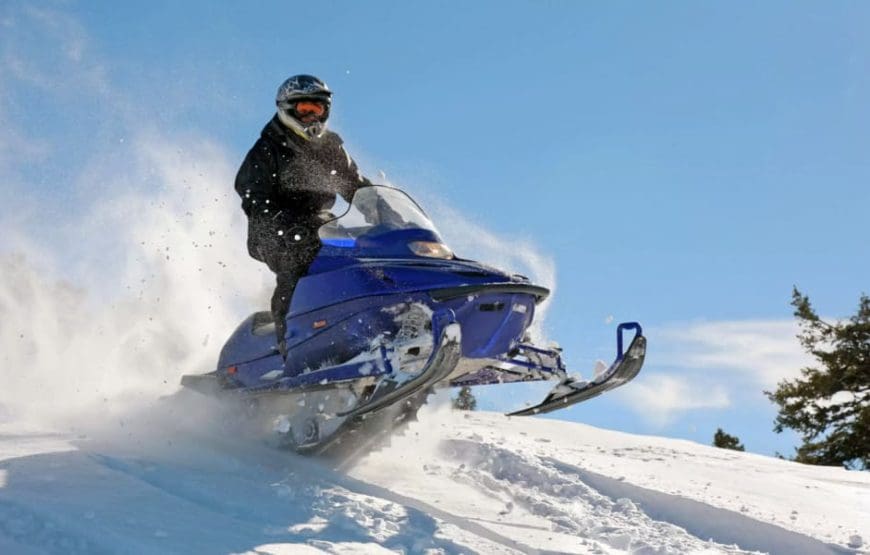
(167, 480)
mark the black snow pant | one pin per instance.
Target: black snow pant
(292, 265)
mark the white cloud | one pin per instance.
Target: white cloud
(712, 365)
(50, 50)
(44, 54)
(15, 148)
(659, 398)
(762, 352)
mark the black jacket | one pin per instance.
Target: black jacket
(285, 181)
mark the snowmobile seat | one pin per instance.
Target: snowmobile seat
(263, 323)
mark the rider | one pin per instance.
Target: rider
(292, 173)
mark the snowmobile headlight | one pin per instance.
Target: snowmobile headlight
(430, 249)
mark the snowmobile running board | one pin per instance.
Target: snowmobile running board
(626, 366)
(443, 359)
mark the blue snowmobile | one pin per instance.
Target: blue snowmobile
(386, 315)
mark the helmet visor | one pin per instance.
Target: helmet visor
(310, 108)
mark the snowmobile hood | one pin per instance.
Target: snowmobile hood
(337, 281)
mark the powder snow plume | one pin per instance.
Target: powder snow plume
(154, 280)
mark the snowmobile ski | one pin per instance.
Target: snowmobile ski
(624, 369)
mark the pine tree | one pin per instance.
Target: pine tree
(725, 440)
(465, 400)
(829, 405)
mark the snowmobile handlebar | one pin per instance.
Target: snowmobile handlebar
(638, 331)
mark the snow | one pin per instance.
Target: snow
(184, 479)
(273, 375)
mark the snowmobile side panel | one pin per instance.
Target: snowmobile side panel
(327, 376)
(492, 323)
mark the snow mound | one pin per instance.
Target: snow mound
(188, 479)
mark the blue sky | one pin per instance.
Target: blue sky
(681, 164)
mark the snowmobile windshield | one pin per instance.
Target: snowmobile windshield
(374, 210)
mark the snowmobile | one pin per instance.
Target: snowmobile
(386, 315)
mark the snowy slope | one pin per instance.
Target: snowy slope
(175, 480)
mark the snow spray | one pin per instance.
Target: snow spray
(156, 278)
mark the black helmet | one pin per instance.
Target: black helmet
(301, 88)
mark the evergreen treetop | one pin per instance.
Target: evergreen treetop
(465, 400)
(725, 440)
(829, 404)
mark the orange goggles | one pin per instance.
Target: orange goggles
(310, 108)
